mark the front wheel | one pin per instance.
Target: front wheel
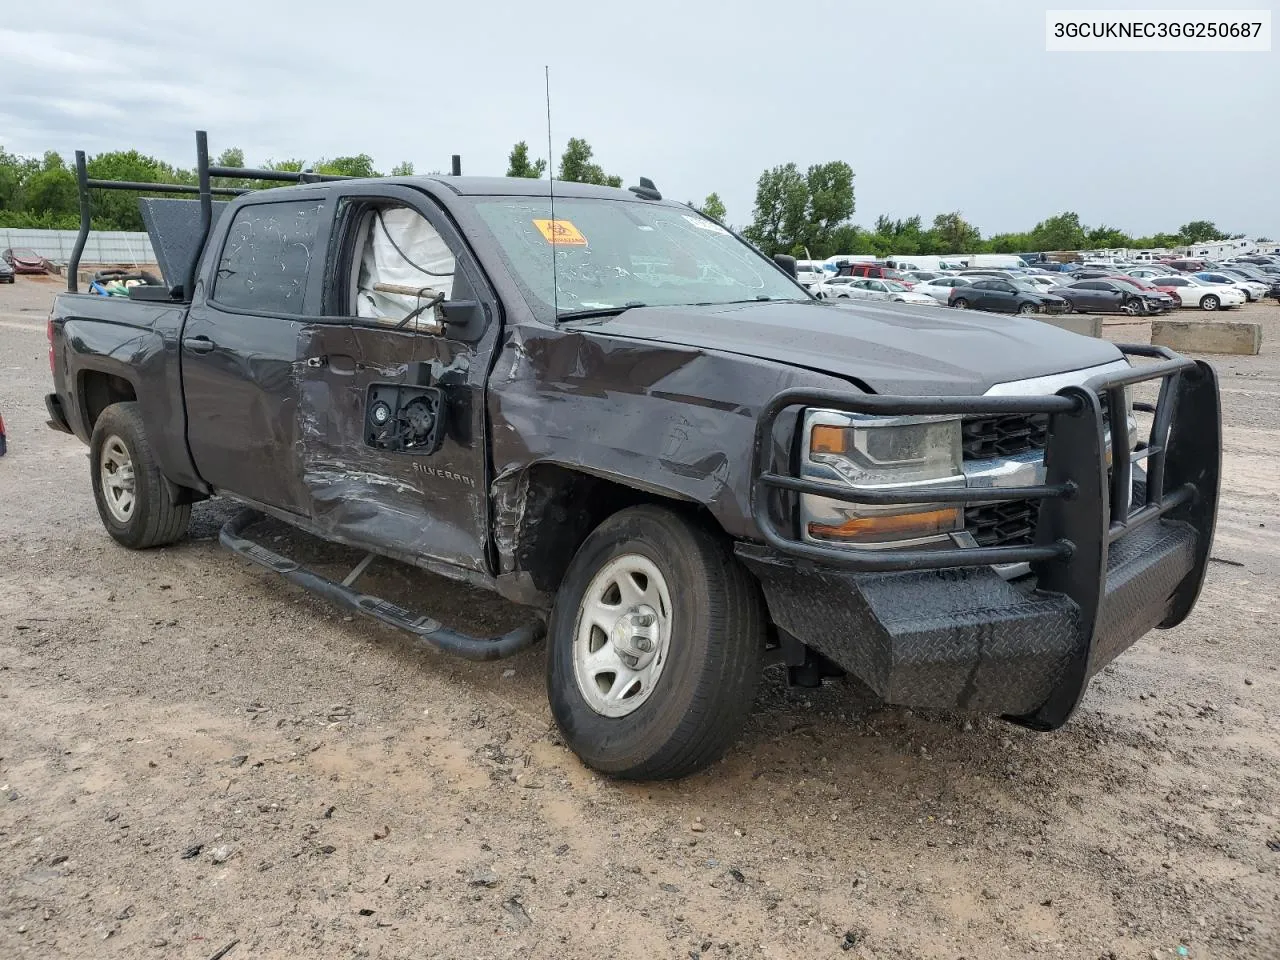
(1210, 303)
(1026, 308)
(133, 500)
(654, 646)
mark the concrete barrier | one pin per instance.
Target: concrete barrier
(1207, 336)
(1090, 325)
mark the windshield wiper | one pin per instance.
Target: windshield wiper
(598, 312)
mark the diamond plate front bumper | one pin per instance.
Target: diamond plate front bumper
(940, 628)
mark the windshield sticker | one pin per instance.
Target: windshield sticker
(560, 233)
(702, 224)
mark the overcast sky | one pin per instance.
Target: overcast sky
(937, 105)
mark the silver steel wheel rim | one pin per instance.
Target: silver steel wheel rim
(118, 483)
(1209, 303)
(622, 635)
(1027, 308)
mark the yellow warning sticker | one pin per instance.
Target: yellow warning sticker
(561, 233)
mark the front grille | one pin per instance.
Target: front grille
(982, 438)
(1013, 522)
(1008, 524)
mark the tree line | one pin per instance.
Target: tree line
(804, 213)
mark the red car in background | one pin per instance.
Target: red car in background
(25, 261)
(877, 271)
(1149, 288)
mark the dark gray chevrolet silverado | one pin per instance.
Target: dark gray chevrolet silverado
(623, 417)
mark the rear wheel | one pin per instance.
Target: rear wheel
(654, 646)
(960, 303)
(1210, 302)
(134, 502)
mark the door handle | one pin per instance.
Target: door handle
(198, 345)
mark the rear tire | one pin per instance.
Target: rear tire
(960, 303)
(133, 500)
(1210, 303)
(619, 715)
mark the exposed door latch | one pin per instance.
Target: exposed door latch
(317, 361)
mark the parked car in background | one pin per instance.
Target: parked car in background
(1141, 284)
(916, 277)
(1005, 296)
(1009, 275)
(877, 270)
(23, 260)
(1046, 281)
(6, 272)
(1252, 289)
(1197, 293)
(809, 272)
(1110, 295)
(940, 287)
(1191, 265)
(869, 288)
(1247, 271)
(1147, 272)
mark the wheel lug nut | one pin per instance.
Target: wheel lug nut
(644, 620)
(643, 644)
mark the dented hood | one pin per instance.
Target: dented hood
(891, 348)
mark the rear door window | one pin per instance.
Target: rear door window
(267, 256)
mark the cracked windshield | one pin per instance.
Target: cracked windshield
(611, 255)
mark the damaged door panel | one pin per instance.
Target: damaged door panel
(390, 420)
(239, 349)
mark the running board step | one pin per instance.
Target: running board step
(429, 631)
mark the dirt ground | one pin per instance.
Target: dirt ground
(194, 754)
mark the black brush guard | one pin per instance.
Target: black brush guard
(939, 627)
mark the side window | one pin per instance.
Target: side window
(983, 285)
(1008, 288)
(398, 253)
(267, 256)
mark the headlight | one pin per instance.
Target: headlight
(877, 453)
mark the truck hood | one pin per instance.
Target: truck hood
(891, 348)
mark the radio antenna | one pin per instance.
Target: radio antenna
(551, 189)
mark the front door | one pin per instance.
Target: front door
(391, 418)
(240, 349)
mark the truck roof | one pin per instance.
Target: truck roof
(520, 187)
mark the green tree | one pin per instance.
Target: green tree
(403, 169)
(951, 233)
(576, 165)
(830, 204)
(118, 210)
(713, 207)
(519, 164)
(782, 201)
(15, 171)
(51, 190)
(1009, 243)
(361, 165)
(1104, 237)
(1200, 231)
(1062, 232)
(284, 166)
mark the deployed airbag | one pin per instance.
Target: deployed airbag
(402, 249)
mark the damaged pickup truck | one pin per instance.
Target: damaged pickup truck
(625, 418)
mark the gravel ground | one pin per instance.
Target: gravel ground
(195, 754)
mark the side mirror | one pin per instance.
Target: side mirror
(463, 319)
(787, 263)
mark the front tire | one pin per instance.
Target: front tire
(1210, 303)
(1026, 308)
(654, 646)
(133, 500)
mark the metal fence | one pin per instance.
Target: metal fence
(104, 246)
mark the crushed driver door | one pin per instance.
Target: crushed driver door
(391, 413)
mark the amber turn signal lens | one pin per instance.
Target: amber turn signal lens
(895, 526)
(827, 439)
